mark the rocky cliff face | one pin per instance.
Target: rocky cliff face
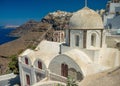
(23, 29)
(58, 20)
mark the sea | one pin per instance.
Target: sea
(4, 32)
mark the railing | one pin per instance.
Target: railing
(39, 70)
(50, 83)
(53, 76)
(56, 77)
(52, 79)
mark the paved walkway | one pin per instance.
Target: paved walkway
(9, 80)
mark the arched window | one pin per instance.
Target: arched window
(77, 40)
(40, 64)
(93, 40)
(27, 80)
(26, 60)
(64, 70)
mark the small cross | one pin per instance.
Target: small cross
(85, 3)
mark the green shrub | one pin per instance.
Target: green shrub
(31, 47)
(71, 82)
(13, 65)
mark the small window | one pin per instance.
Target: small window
(26, 60)
(40, 64)
(77, 40)
(27, 80)
(93, 40)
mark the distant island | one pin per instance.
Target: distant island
(11, 26)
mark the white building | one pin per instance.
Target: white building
(112, 16)
(83, 53)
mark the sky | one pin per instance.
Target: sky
(17, 12)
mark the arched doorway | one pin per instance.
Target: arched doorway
(62, 65)
(64, 69)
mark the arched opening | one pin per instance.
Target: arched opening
(27, 80)
(40, 64)
(26, 61)
(77, 40)
(93, 40)
(40, 67)
(64, 70)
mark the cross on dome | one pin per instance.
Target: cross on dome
(85, 3)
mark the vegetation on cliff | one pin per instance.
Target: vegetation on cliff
(13, 64)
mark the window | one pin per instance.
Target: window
(93, 40)
(84, 38)
(64, 70)
(26, 60)
(62, 37)
(40, 64)
(77, 40)
(28, 80)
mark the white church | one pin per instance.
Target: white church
(83, 53)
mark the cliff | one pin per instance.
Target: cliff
(58, 20)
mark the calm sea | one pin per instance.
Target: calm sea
(4, 38)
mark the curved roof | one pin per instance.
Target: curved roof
(85, 63)
(86, 18)
(45, 51)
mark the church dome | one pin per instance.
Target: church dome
(86, 19)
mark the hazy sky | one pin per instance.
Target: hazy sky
(17, 12)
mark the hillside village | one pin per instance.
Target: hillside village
(100, 55)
